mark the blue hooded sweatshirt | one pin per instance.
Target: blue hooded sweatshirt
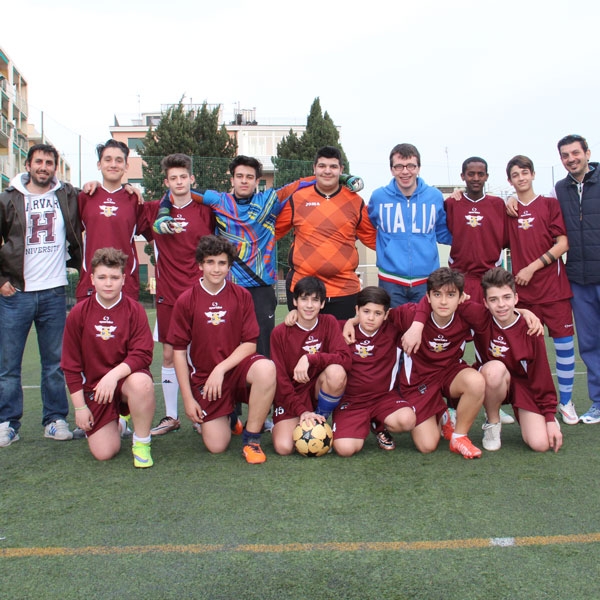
(408, 230)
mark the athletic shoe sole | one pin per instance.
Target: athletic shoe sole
(465, 448)
(253, 454)
(568, 417)
(589, 420)
(167, 427)
(11, 440)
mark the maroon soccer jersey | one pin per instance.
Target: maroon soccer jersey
(323, 344)
(532, 234)
(109, 220)
(211, 326)
(176, 267)
(526, 360)
(375, 363)
(441, 347)
(478, 229)
(97, 339)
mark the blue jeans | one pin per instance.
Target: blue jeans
(402, 294)
(586, 310)
(47, 309)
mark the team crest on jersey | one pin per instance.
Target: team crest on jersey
(364, 349)
(105, 329)
(526, 220)
(312, 345)
(108, 209)
(474, 219)
(216, 314)
(179, 223)
(439, 344)
(498, 347)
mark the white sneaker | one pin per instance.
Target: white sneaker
(568, 413)
(58, 430)
(505, 418)
(491, 436)
(7, 434)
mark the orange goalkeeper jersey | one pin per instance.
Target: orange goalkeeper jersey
(325, 233)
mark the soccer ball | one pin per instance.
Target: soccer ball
(312, 441)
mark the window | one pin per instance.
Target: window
(136, 144)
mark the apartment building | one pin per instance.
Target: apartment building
(13, 120)
(17, 134)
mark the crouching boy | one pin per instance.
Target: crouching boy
(372, 400)
(213, 332)
(107, 352)
(436, 370)
(516, 370)
(312, 359)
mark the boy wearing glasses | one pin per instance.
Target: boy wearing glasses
(410, 220)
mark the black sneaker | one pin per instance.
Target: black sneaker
(385, 441)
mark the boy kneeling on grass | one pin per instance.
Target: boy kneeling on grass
(372, 400)
(213, 332)
(436, 370)
(312, 359)
(444, 325)
(516, 370)
(106, 357)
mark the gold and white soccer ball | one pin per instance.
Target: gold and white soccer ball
(313, 441)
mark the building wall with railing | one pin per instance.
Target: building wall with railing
(17, 135)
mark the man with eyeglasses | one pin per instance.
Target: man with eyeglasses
(410, 220)
(579, 197)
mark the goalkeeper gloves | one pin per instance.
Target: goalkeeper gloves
(163, 223)
(354, 184)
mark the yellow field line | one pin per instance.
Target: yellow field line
(551, 540)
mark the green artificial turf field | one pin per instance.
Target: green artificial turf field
(389, 525)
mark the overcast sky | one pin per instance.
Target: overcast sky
(455, 78)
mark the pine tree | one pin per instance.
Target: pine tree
(193, 132)
(295, 157)
(320, 131)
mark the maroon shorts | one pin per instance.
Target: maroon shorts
(303, 391)
(235, 389)
(105, 413)
(556, 316)
(163, 320)
(428, 396)
(473, 288)
(352, 419)
(521, 397)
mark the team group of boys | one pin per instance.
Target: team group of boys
(215, 302)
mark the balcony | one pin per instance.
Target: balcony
(5, 127)
(21, 146)
(5, 167)
(21, 104)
